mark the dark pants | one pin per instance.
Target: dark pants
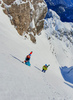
(43, 70)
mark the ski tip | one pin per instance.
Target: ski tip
(22, 62)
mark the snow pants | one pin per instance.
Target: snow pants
(43, 70)
(28, 63)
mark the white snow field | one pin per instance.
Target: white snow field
(20, 82)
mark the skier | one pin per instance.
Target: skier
(45, 68)
(27, 59)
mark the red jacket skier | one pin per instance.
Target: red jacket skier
(27, 59)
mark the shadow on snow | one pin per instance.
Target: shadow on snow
(16, 58)
(68, 84)
(67, 74)
(37, 68)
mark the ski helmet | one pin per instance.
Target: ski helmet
(45, 64)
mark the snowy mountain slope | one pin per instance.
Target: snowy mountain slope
(20, 82)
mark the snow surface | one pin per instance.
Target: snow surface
(20, 82)
(32, 24)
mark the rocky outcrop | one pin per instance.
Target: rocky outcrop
(8, 2)
(20, 16)
(26, 15)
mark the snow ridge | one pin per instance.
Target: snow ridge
(61, 30)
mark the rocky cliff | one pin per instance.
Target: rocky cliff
(26, 15)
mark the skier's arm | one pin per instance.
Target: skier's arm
(48, 65)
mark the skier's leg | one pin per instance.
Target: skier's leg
(42, 70)
(28, 63)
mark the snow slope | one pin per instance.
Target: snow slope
(63, 31)
(20, 82)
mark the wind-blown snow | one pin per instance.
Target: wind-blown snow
(20, 82)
